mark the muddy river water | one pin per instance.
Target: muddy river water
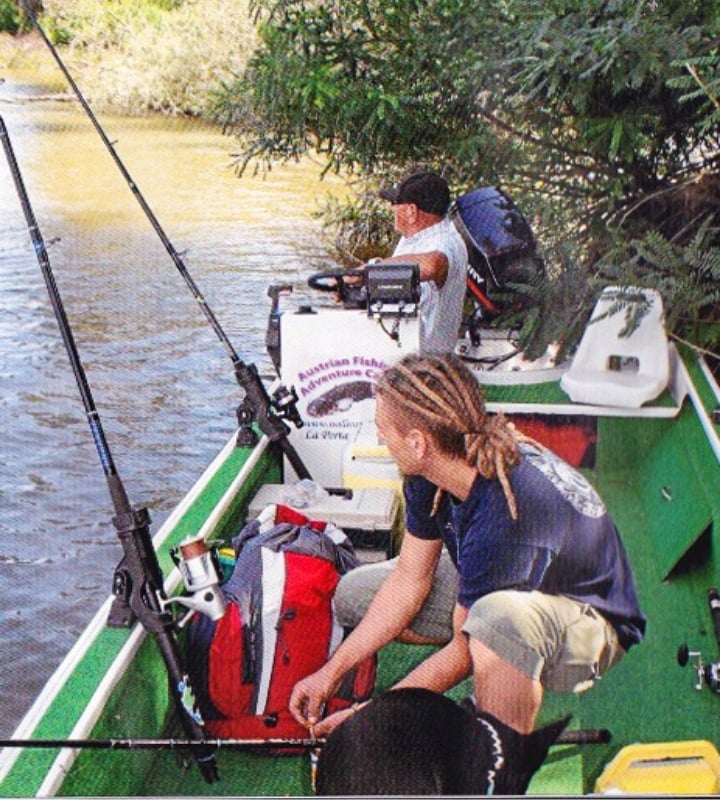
(161, 379)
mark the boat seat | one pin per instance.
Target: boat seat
(613, 370)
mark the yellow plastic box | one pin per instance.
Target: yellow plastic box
(687, 767)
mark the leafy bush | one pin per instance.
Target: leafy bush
(360, 227)
(11, 19)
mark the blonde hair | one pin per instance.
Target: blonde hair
(439, 394)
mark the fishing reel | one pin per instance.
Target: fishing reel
(258, 407)
(200, 570)
(705, 673)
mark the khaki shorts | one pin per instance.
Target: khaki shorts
(357, 588)
(564, 643)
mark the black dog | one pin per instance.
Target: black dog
(418, 742)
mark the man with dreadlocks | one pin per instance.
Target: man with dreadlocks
(543, 595)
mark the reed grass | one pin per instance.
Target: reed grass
(139, 56)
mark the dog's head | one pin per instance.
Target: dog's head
(513, 758)
(417, 742)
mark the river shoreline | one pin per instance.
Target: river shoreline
(24, 57)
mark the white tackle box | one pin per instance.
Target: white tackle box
(369, 516)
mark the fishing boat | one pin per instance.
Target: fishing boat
(656, 463)
(638, 413)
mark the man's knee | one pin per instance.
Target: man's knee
(356, 589)
(433, 622)
(503, 690)
(561, 642)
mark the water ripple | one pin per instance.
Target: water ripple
(162, 381)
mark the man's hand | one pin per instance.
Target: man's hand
(309, 696)
(326, 726)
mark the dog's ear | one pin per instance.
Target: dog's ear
(523, 754)
(468, 704)
(537, 744)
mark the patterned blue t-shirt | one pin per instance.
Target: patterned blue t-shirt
(563, 542)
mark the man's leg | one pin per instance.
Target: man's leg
(503, 690)
(432, 625)
(523, 641)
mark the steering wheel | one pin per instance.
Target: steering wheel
(348, 284)
(333, 280)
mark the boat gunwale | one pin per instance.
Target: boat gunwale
(93, 709)
(710, 378)
(583, 410)
(709, 426)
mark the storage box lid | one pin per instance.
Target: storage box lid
(366, 509)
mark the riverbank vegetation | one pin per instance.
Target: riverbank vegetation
(169, 56)
(600, 119)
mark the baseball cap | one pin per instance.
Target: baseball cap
(427, 190)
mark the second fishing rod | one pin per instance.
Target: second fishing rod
(268, 413)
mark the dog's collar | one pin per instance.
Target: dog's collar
(498, 757)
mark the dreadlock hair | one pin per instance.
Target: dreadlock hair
(440, 395)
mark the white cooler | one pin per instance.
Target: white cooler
(369, 516)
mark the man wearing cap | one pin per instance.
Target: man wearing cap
(430, 239)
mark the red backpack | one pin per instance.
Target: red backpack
(279, 627)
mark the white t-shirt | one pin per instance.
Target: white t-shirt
(440, 309)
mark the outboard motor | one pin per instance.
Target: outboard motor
(501, 246)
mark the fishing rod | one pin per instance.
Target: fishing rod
(568, 737)
(267, 412)
(138, 580)
(161, 744)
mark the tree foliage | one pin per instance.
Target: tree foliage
(360, 82)
(599, 117)
(12, 15)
